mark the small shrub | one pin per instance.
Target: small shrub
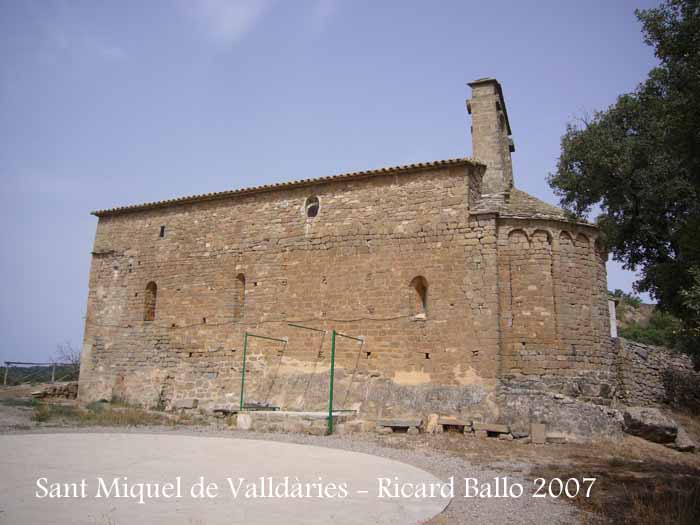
(662, 330)
(97, 406)
(41, 414)
(18, 402)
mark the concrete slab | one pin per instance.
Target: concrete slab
(452, 421)
(491, 427)
(163, 458)
(400, 423)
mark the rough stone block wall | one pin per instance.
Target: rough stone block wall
(349, 268)
(652, 375)
(555, 331)
(557, 359)
(510, 306)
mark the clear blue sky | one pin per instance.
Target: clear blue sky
(111, 103)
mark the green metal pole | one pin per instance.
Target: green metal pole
(306, 327)
(330, 397)
(245, 351)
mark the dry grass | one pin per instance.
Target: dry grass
(637, 481)
(18, 402)
(96, 415)
(630, 491)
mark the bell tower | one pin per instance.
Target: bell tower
(491, 142)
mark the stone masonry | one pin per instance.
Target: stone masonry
(651, 375)
(473, 298)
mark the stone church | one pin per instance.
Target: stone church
(470, 297)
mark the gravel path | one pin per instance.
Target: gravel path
(524, 509)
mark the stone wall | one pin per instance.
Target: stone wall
(473, 298)
(651, 375)
(349, 268)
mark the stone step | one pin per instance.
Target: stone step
(400, 423)
(491, 427)
(556, 437)
(453, 421)
(226, 408)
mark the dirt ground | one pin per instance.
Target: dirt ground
(636, 481)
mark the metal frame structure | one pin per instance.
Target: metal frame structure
(334, 335)
(246, 335)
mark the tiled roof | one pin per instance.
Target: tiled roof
(517, 203)
(291, 184)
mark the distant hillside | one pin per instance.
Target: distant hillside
(17, 375)
(643, 323)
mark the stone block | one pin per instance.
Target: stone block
(556, 437)
(482, 434)
(453, 424)
(452, 421)
(225, 409)
(244, 422)
(317, 430)
(413, 431)
(185, 404)
(400, 423)
(293, 426)
(683, 442)
(650, 424)
(538, 433)
(491, 427)
(368, 425)
(354, 426)
(432, 424)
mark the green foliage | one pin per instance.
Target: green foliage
(18, 402)
(661, 330)
(689, 340)
(41, 414)
(17, 375)
(626, 298)
(639, 162)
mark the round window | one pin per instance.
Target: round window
(312, 207)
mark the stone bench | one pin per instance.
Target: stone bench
(401, 425)
(452, 424)
(225, 409)
(495, 430)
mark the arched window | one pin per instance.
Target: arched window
(312, 207)
(239, 297)
(149, 308)
(419, 296)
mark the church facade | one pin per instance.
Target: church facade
(471, 298)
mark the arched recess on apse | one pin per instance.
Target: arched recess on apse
(541, 291)
(518, 266)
